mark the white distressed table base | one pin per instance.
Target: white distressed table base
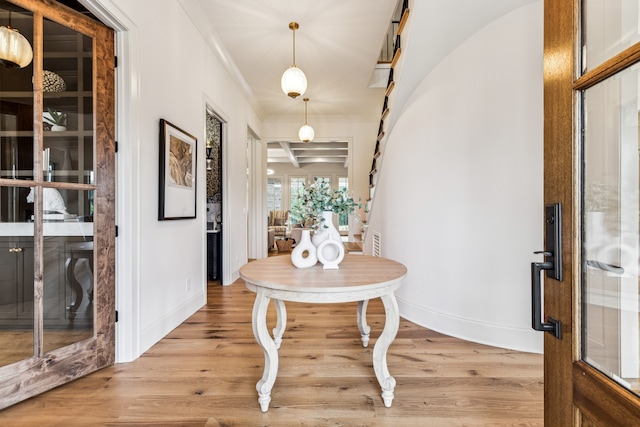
(360, 278)
(270, 345)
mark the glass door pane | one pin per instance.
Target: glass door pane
(610, 246)
(16, 103)
(68, 158)
(609, 27)
(68, 105)
(68, 278)
(16, 211)
(16, 279)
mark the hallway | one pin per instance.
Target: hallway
(204, 374)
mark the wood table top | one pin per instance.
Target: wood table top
(356, 271)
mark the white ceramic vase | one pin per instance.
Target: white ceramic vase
(304, 255)
(58, 128)
(330, 253)
(322, 233)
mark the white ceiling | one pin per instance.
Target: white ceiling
(337, 47)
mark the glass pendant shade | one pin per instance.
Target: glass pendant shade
(306, 133)
(293, 82)
(15, 50)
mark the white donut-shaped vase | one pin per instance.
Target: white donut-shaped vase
(330, 253)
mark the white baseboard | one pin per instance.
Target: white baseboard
(167, 323)
(515, 338)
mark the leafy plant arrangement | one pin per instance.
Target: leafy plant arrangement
(56, 118)
(318, 197)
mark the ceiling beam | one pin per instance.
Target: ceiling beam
(287, 149)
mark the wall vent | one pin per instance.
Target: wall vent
(376, 250)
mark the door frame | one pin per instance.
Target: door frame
(127, 196)
(575, 393)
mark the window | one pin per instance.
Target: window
(295, 183)
(343, 220)
(274, 193)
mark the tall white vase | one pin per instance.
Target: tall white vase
(304, 254)
(322, 233)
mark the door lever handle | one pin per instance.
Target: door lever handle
(545, 253)
(553, 326)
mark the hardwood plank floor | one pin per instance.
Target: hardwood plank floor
(204, 374)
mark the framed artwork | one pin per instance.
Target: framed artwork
(177, 173)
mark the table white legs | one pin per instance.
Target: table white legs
(391, 324)
(278, 331)
(270, 345)
(361, 316)
(259, 322)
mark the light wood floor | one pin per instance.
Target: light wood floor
(204, 374)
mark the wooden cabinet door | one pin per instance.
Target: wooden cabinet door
(57, 191)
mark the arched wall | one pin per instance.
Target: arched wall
(460, 196)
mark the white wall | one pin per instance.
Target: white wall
(459, 198)
(175, 76)
(469, 140)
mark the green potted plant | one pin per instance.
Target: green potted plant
(56, 119)
(316, 203)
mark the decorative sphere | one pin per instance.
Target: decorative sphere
(51, 82)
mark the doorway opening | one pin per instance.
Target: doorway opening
(213, 149)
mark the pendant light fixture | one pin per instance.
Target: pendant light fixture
(293, 81)
(15, 50)
(306, 133)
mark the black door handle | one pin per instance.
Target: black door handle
(553, 326)
(552, 265)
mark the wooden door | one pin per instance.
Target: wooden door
(57, 213)
(591, 143)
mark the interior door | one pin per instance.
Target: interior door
(592, 170)
(57, 216)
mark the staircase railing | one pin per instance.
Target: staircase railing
(402, 15)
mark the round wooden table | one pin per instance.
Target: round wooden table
(359, 278)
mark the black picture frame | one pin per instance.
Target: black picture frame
(178, 183)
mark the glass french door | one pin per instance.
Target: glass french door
(57, 225)
(592, 168)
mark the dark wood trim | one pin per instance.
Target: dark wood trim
(559, 56)
(601, 399)
(608, 68)
(105, 218)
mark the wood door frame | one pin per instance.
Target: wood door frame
(43, 372)
(575, 393)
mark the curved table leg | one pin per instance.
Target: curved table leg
(70, 266)
(392, 322)
(361, 316)
(261, 333)
(278, 331)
